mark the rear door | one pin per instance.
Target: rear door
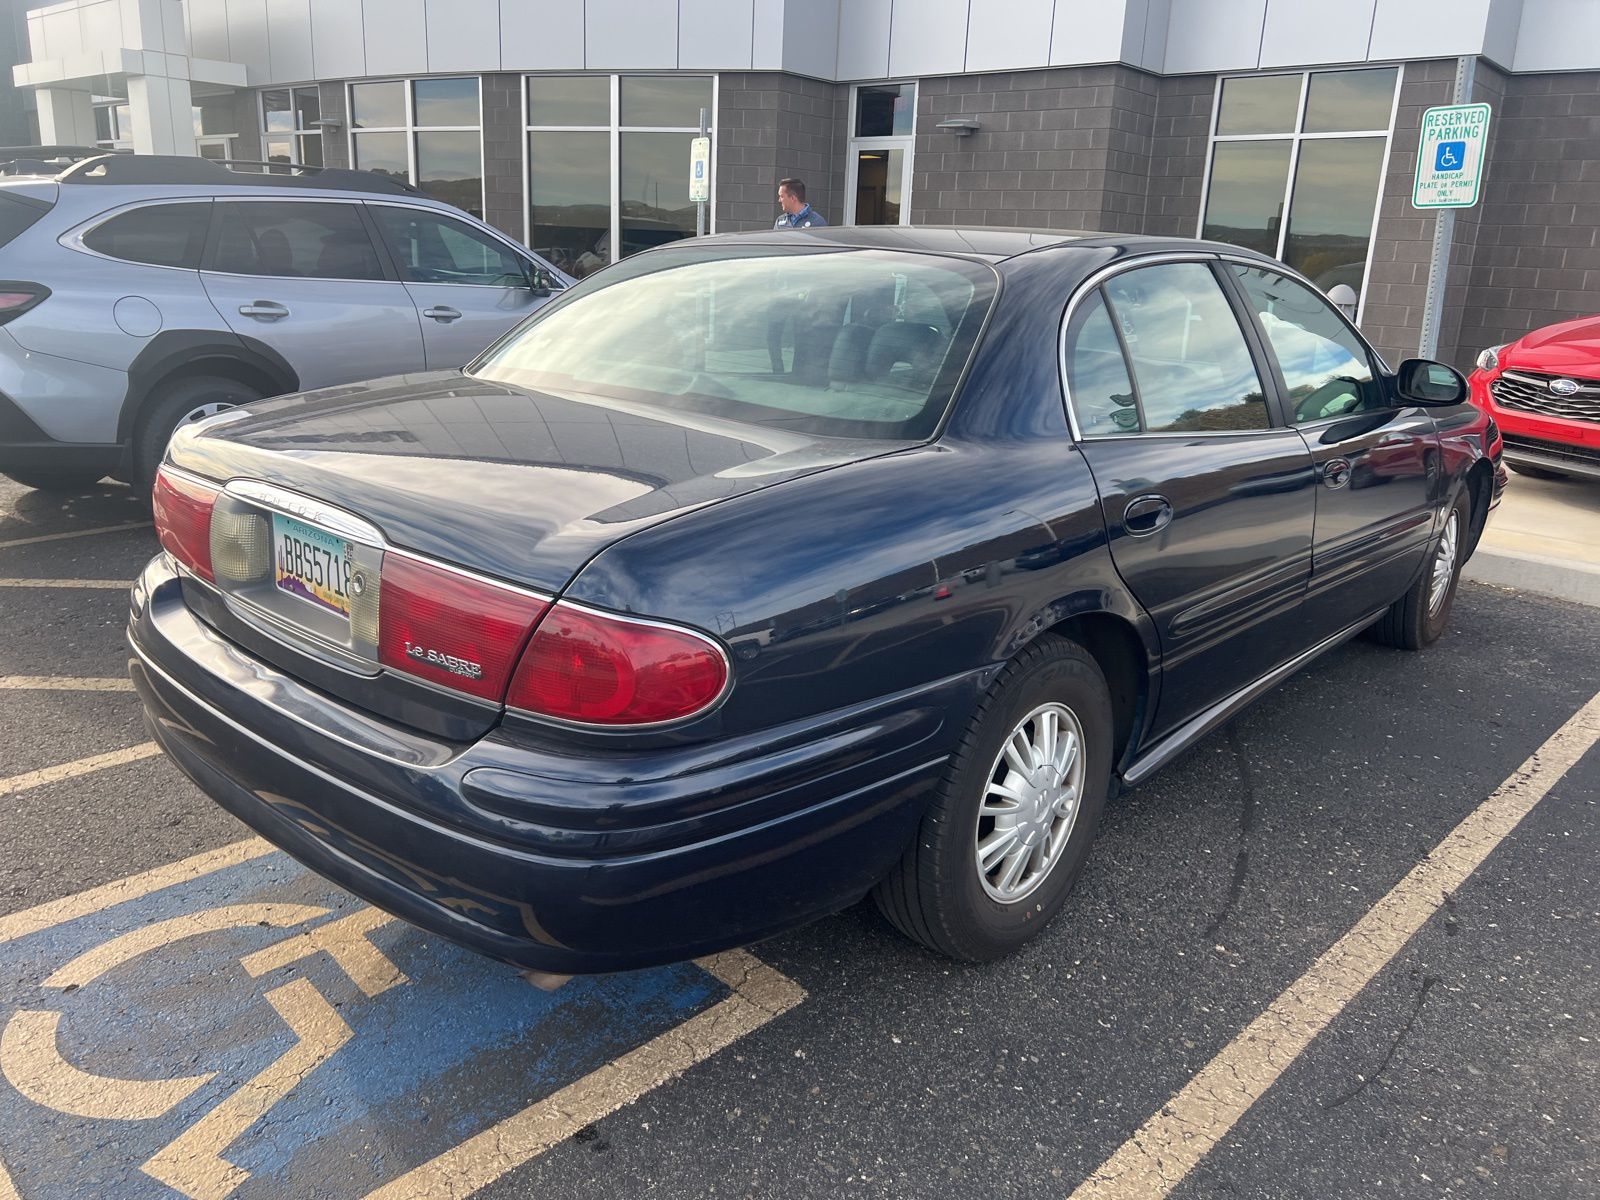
(468, 285)
(1208, 503)
(305, 278)
(1377, 460)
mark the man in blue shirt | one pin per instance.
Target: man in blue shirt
(797, 214)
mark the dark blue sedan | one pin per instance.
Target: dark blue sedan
(760, 573)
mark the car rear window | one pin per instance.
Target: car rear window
(163, 235)
(17, 214)
(850, 343)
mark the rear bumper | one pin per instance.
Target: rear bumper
(25, 446)
(568, 867)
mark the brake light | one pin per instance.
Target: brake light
(18, 298)
(585, 666)
(182, 508)
(447, 627)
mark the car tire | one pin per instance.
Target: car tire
(45, 480)
(180, 403)
(1418, 618)
(1538, 472)
(939, 893)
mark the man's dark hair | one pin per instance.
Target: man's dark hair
(795, 187)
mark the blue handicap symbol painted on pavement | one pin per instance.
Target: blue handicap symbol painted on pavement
(1450, 156)
(256, 1032)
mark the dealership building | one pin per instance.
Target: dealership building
(1290, 126)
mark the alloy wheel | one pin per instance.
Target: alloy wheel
(1031, 803)
(1444, 564)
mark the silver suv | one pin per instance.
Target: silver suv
(138, 293)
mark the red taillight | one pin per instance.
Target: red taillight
(18, 298)
(585, 666)
(182, 508)
(460, 631)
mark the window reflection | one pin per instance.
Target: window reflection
(885, 110)
(378, 105)
(1259, 104)
(446, 102)
(384, 153)
(654, 190)
(1330, 215)
(569, 191)
(1341, 101)
(1245, 203)
(655, 101)
(449, 168)
(569, 100)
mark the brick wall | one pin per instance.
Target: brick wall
(1537, 258)
(1179, 142)
(503, 141)
(772, 125)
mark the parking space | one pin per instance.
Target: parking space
(232, 1026)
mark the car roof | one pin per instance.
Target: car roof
(988, 243)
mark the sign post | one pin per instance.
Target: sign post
(700, 175)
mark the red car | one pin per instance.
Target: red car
(1543, 390)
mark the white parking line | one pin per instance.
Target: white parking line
(62, 683)
(1157, 1158)
(73, 533)
(8, 1190)
(72, 770)
(121, 585)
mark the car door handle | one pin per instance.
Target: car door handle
(266, 310)
(442, 312)
(1146, 515)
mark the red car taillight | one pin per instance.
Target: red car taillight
(588, 667)
(18, 298)
(447, 627)
(182, 507)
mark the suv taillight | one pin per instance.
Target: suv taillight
(590, 667)
(182, 507)
(17, 298)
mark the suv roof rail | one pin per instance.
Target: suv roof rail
(181, 168)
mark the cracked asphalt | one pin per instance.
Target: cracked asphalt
(1470, 1066)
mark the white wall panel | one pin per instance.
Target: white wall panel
(393, 32)
(1217, 35)
(463, 35)
(1504, 23)
(715, 34)
(541, 37)
(1558, 35)
(766, 35)
(811, 37)
(1087, 31)
(289, 40)
(247, 38)
(864, 39)
(1003, 34)
(1297, 33)
(631, 34)
(928, 37)
(337, 48)
(1429, 28)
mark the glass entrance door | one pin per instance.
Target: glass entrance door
(878, 169)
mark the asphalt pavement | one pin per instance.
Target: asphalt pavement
(328, 1052)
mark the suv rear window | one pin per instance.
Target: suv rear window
(163, 235)
(17, 214)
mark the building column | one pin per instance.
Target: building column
(163, 115)
(66, 118)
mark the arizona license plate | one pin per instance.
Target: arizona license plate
(311, 564)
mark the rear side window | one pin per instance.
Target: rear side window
(1097, 374)
(1191, 365)
(17, 215)
(163, 235)
(294, 240)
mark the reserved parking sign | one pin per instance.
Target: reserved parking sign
(1450, 156)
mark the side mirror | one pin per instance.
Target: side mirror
(538, 282)
(1423, 381)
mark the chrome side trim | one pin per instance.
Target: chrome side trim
(304, 508)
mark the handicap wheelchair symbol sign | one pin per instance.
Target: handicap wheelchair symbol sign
(1450, 156)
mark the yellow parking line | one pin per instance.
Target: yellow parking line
(72, 770)
(62, 683)
(44, 916)
(109, 585)
(1150, 1164)
(74, 533)
(760, 993)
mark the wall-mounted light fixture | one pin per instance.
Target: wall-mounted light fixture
(329, 123)
(960, 126)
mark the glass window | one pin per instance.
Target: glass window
(103, 130)
(309, 240)
(1349, 100)
(384, 153)
(307, 108)
(1245, 202)
(1330, 214)
(445, 102)
(275, 107)
(280, 150)
(569, 100)
(879, 174)
(1325, 366)
(786, 340)
(1190, 360)
(311, 149)
(450, 166)
(434, 249)
(378, 105)
(885, 109)
(1259, 104)
(654, 190)
(662, 101)
(569, 194)
(1097, 375)
(215, 117)
(164, 235)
